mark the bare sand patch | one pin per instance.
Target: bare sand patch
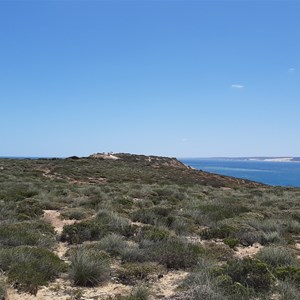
(249, 251)
(54, 218)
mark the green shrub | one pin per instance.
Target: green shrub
(231, 242)
(276, 225)
(220, 211)
(288, 290)
(84, 231)
(266, 225)
(95, 229)
(27, 233)
(3, 290)
(221, 232)
(32, 267)
(248, 238)
(6, 258)
(218, 252)
(250, 273)
(174, 253)
(155, 233)
(125, 202)
(133, 254)
(17, 192)
(116, 223)
(144, 215)
(201, 283)
(272, 237)
(130, 273)
(181, 225)
(88, 267)
(277, 256)
(29, 208)
(77, 213)
(291, 273)
(113, 243)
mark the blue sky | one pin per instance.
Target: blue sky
(175, 78)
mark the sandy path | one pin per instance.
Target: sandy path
(167, 285)
(54, 218)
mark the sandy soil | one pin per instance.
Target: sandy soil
(54, 218)
(62, 290)
(242, 252)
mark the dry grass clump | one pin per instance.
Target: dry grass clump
(113, 243)
(202, 283)
(89, 267)
(133, 253)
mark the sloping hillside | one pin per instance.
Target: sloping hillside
(137, 227)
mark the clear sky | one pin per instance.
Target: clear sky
(176, 78)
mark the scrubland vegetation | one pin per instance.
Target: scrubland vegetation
(138, 219)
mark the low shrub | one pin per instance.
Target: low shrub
(84, 231)
(144, 215)
(251, 273)
(130, 273)
(116, 223)
(155, 233)
(113, 243)
(288, 290)
(218, 251)
(272, 237)
(248, 238)
(277, 256)
(77, 213)
(31, 267)
(27, 233)
(231, 242)
(88, 267)
(181, 225)
(220, 211)
(201, 283)
(291, 273)
(174, 253)
(132, 254)
(95, 229)
(224, 231)
(3, 290)
(29, 208)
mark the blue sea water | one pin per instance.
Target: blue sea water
(272, 173)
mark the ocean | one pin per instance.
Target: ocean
(271, 173)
